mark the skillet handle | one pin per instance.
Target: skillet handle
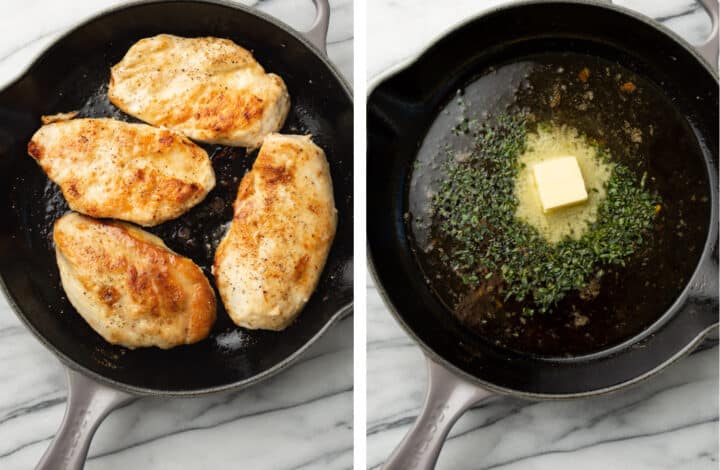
(317, 34)
(709, 49)
(705, 283)
(88, 404)
(448, 397)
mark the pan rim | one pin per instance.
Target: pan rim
(343, 311)
(710, 241)
(410, 60)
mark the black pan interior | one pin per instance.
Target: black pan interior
(400, 110)
(73, 75)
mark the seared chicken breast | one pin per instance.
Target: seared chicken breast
(114, 169)
(129, 287)
(210, 89)
(269, 262)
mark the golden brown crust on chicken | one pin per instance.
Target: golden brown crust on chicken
(210, 89)
(134, 172)
(269, 263)
(129, 287)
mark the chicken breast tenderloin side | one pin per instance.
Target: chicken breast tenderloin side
(129, 287)
(208, 88)
(269, 262)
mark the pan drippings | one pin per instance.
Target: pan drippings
(622, 113)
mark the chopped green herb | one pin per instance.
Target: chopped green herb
(475, 210)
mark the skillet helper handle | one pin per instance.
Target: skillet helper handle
(448, 397)
(709, 49)
(88, 404)
(317, 34)
(706, 283)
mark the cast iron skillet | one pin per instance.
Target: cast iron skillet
(400, 108)
(71, 75)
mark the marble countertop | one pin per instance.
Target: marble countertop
(670, 422)
(301, 418)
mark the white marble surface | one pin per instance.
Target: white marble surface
(299, 419)
(670, 422)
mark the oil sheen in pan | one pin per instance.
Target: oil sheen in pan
(643, 130)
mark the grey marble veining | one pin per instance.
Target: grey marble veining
(301, 418)
(669, 422)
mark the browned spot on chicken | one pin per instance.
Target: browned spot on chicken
(35, 150)
(72, 190)
(314, 208)
(109, 295)
(301, 267)
(275, 174)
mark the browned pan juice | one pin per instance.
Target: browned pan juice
(641, 129)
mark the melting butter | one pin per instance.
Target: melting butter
(559, 183)
(573, 221)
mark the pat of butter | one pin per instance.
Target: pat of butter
(559, 183)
